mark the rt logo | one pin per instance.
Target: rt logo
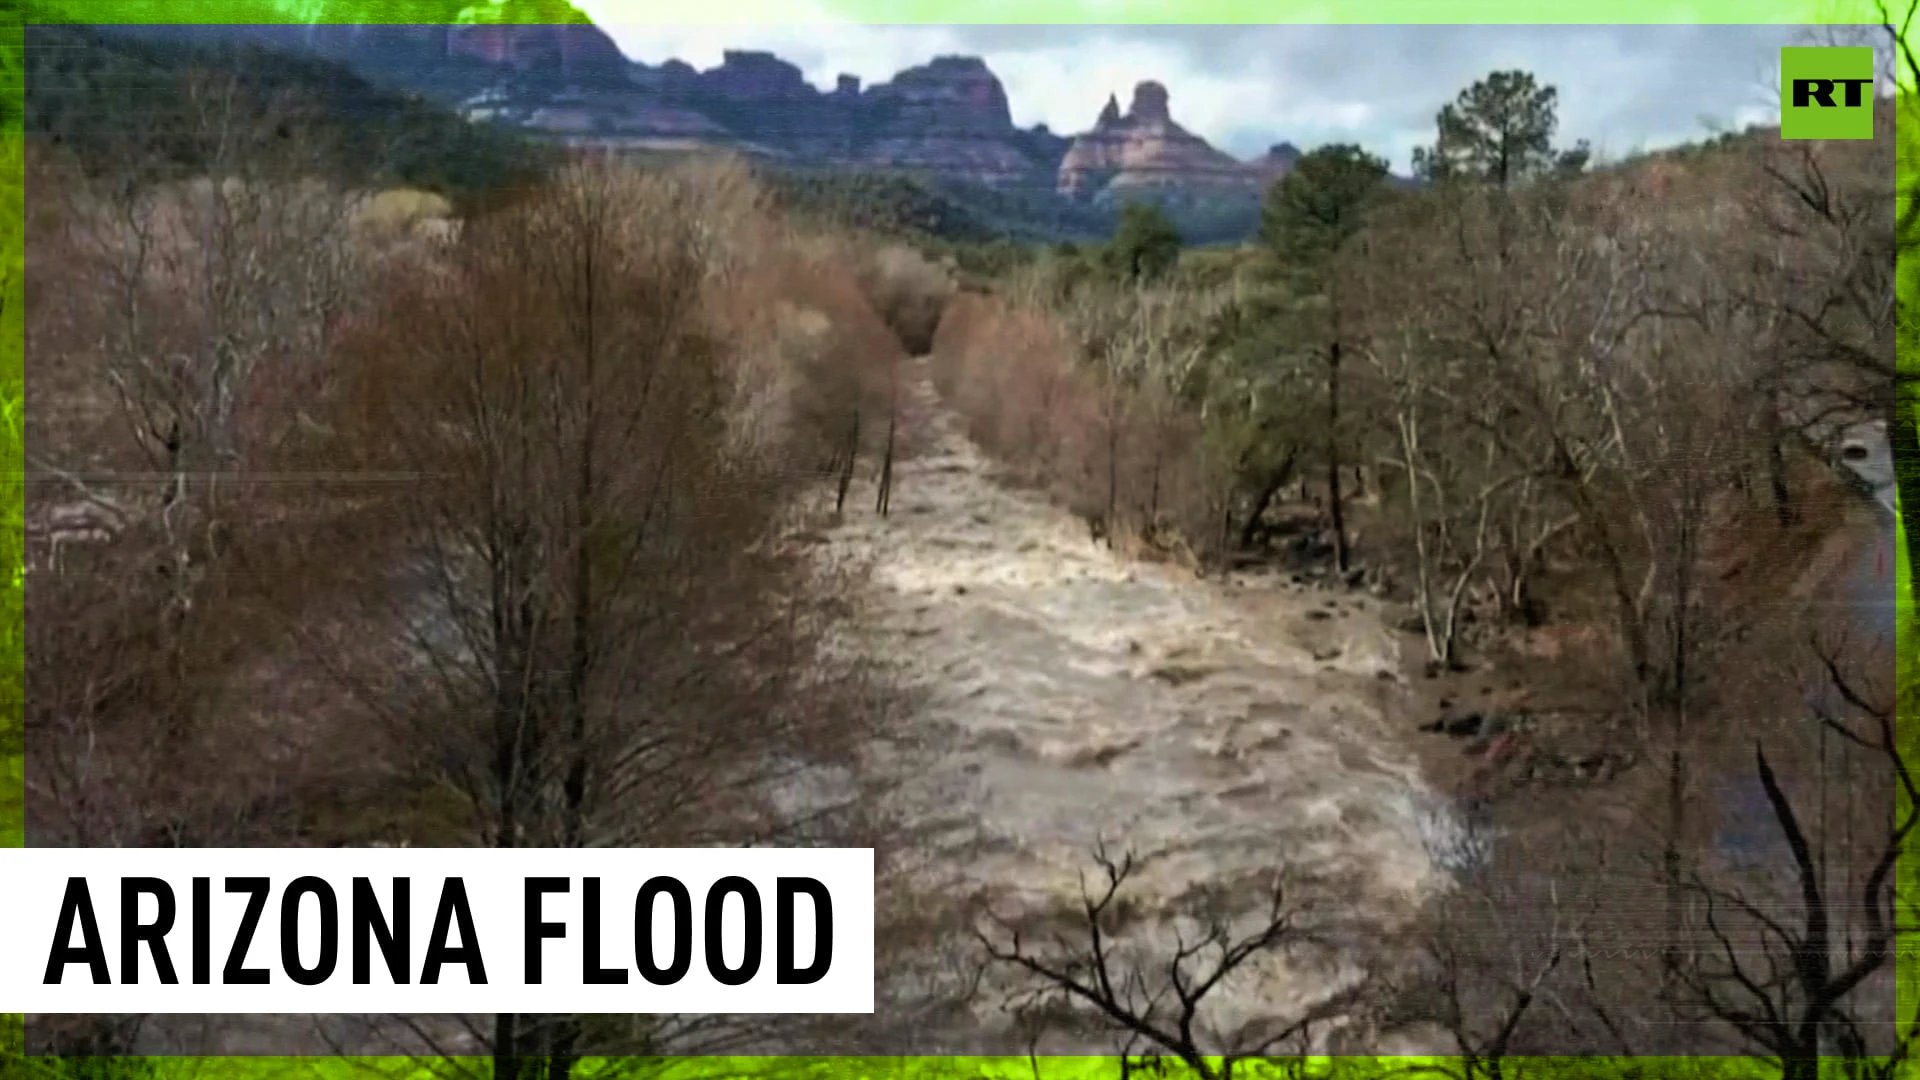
(1826, 93)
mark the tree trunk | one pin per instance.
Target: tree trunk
(506, 1056)
(884, 500)
(1670, 958)
(580, 658)
(1153, 489)
(1598, 527)
(1904, 441)
(515, 741)
(1800, 1067)
(847, 463)
(1671, 691)
(1524, 606)
(1113, 465)
(563, 1049)
(1777, 480)
(1340, 554)
(1277, 480)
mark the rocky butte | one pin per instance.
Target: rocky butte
(1145, 152)
(948, 116)
(951, 116)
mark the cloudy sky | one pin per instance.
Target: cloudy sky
(1244, 88)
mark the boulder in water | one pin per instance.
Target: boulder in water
(1461, 726)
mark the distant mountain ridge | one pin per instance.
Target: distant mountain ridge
(570, 82)
(118, 101)
(949, 117)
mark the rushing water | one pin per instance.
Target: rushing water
(1219, 730)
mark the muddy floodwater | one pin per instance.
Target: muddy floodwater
(1220, 730)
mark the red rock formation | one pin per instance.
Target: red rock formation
(1145, 151)
(1150, 104)
(755, 77)
(949, 115)
(952, 92)
(759, 95)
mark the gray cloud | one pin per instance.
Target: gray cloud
(1622, 87)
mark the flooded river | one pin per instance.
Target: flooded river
(1217, 730)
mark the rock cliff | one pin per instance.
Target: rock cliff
(1143, 152)
(949, 117)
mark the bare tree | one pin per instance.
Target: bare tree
(591, 638)
(203, 291)
(1162, 1003)
(1794, 975)
(180, 311)
(1454, 481)
(1485, 1003)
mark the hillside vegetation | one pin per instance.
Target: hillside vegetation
(109, 98)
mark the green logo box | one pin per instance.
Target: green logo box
(1826, 93)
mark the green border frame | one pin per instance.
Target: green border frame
(421, 12)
